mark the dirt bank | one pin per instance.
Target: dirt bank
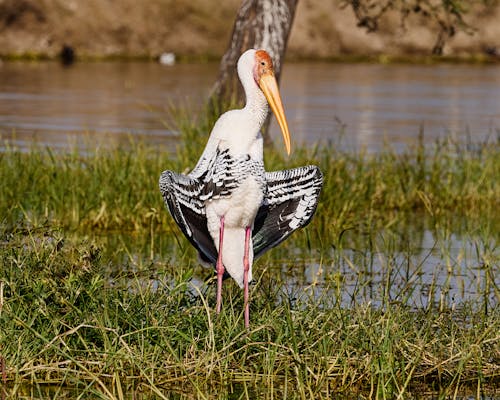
(201, 28)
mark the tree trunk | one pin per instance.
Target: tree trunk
(260, 24)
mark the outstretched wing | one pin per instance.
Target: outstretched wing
(216, 175)
(182, 194)
(290, 202)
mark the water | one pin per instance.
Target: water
(436, 274)
(356, 105)
(93, 103)
(424, 271)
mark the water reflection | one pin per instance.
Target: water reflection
(415, 264)
(365, 104)
(429, 269)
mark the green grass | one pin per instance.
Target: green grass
(117, 189)
(101, 296)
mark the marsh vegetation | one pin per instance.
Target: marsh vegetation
(391, 292)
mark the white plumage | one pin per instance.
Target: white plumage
(228, 193)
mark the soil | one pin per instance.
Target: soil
(201, 29)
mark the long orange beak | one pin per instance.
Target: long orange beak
(269, 87)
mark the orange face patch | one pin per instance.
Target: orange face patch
(263, 64)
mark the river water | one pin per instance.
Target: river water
(354, 105)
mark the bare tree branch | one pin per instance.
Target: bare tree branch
(446, 15)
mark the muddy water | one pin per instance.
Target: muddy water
(354, 105)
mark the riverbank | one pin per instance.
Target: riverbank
(200, 30)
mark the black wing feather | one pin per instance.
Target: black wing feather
(289, 204)
(220, 179)
(181, 194)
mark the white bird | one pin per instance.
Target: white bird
(167, 58)
(229, 208)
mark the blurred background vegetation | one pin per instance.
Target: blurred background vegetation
(200, 29)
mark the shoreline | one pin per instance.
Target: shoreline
(477, 58)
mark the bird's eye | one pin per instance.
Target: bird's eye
(262, 63)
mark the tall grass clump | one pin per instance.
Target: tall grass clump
(392, 291)
(111, 190)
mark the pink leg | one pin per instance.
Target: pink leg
(246, 266)
(220, 267)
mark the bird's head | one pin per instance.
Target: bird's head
(263, 75)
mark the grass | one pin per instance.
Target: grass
(102, 297)
(71, 321)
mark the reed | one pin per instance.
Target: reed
(108, 190)
(101, 296)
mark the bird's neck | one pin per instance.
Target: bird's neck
(257, 107)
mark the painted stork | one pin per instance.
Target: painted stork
(228, 206)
